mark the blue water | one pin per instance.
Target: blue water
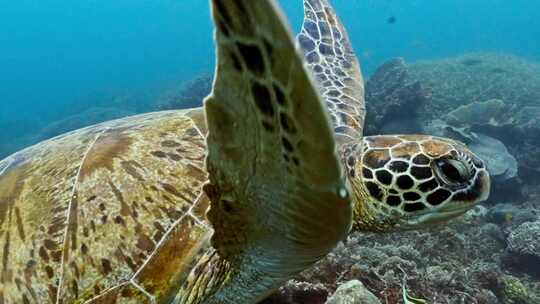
(61, 57)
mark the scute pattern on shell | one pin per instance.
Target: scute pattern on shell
(82, 214)
(35, 189)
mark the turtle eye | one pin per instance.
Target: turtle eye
(452, 172)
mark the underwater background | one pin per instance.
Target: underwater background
(466, 69)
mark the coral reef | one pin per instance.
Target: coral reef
(477, 77)
(504, 214)
(513, 291)
(392, 99)
(461, 263)
(189, 95)
(477, 113)
(519, 129)
(523, 251)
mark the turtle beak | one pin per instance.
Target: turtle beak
(479, 192)
(433, 217)
(460, 203)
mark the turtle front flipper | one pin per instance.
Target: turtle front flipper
(331, 59)
(278, 201)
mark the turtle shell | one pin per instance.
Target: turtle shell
(110, 213)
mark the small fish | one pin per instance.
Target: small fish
(391, 20)
(407, 299)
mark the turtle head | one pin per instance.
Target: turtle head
(410, 181)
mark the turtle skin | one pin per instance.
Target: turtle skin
(110, 213)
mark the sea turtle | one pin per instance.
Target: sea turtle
(128, 211)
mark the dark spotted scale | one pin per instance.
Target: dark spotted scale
(374, 190)
(384, 177)
(438, 197)
(399, 166)
(420, 173)
(405, 182)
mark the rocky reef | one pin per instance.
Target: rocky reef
(478, 77)
(189, 95)
(390, 92)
